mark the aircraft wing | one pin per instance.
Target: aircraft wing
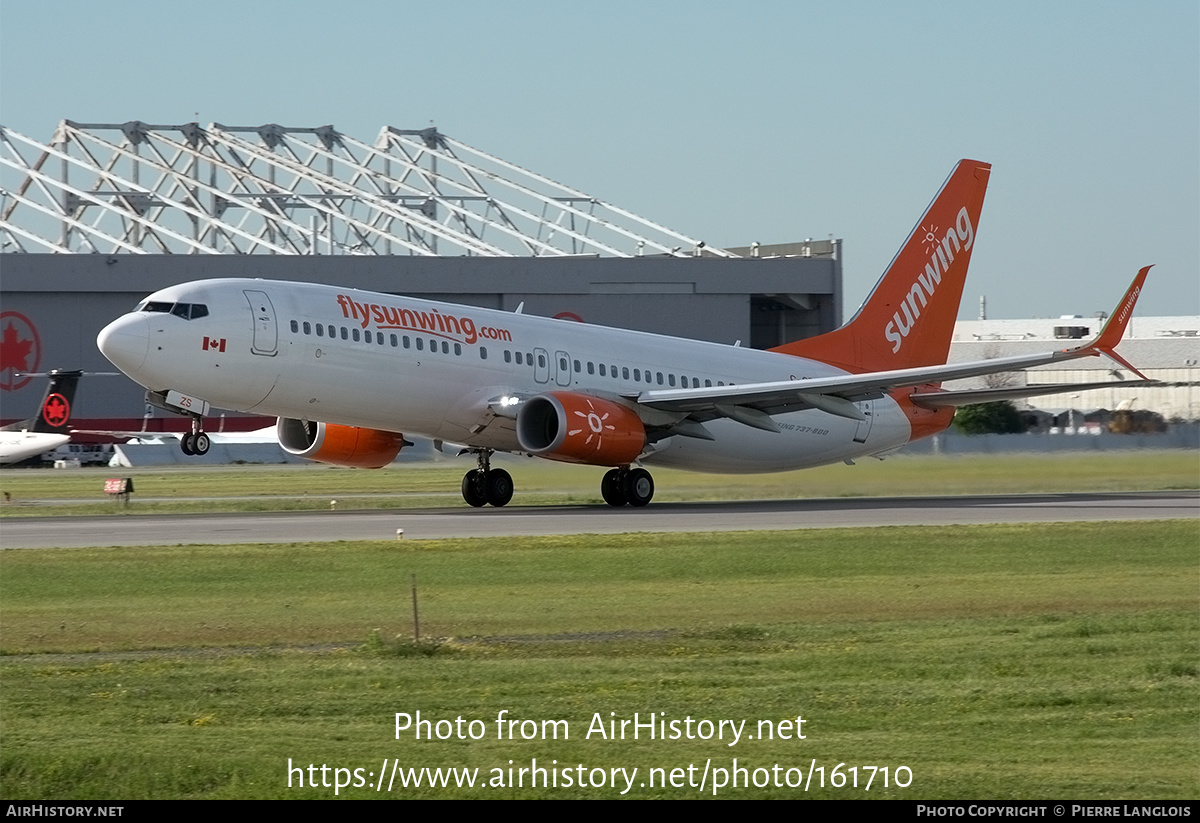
(753, 403)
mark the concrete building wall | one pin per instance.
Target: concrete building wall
(53, 306)
(1165, 349)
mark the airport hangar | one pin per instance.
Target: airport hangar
(106, 213)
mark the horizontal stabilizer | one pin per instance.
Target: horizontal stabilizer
(940, 399)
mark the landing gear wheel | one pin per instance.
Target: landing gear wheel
(200, 443)
(187, 444)
(610, 488)
(498, 487)
(638, 486)
(472, 488)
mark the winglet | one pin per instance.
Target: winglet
(1106, 342)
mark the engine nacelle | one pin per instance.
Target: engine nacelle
(339, 445)
(576, 428)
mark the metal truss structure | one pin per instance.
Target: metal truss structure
(103, 188)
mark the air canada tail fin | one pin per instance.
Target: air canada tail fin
(908, 320)
(54, 413)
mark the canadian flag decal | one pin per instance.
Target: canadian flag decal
(213, 344)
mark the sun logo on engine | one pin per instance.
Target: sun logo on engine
(596, 424)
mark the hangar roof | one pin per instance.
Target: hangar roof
(186, 189)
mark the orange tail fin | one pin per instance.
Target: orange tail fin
(908, 320)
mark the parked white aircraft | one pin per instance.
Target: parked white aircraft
(49, 429)
(348, 371)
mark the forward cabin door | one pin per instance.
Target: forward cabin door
(266, 333)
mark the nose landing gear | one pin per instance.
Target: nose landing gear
(196, 442)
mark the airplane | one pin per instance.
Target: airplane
(348, 372)
(46, 432)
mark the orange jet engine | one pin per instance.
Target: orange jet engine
(578, 428)
(338, 445)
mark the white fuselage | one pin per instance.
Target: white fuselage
(16, 446)
(437, 369)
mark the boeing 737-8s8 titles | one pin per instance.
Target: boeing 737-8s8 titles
(349, 373)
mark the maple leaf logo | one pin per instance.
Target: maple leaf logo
(14, 352)
(20, 350)
(56, 410)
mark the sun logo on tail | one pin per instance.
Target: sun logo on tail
(931, 238)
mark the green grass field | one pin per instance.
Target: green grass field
(1049, 661)
(275, 488)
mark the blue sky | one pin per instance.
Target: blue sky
(732, 122)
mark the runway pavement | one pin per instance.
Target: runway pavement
(287, 527)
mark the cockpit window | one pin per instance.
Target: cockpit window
(188, 311)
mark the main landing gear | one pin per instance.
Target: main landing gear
(626, 485)
(486, 485)
(195, 442)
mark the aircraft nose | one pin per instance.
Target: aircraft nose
(125, 342)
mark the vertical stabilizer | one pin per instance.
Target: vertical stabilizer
(908, 320)
(54, 413)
